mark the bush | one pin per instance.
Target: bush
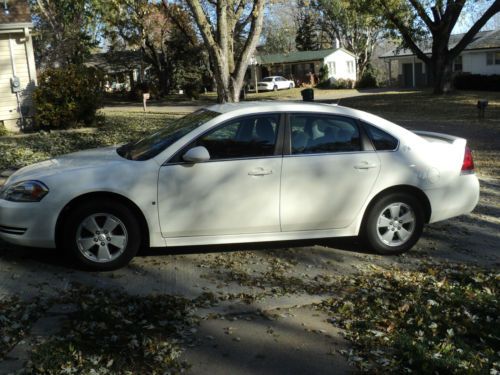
(192, 90)
(368, 80)
(68, 97)
(3, 130)
(324, 85)
(343, 84)
(323, 74)
(336, 84)
(477, 82)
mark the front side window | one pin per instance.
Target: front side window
(317, 134)
(247, 137)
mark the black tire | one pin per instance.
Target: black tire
(404, 233)
(128, 231)
(275, 88)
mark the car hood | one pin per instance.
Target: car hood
(79, 160)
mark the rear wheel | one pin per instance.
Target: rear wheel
(291, 86)
(394, 224)
(102, 235)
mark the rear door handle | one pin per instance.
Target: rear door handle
(365, 165)
(260, 172)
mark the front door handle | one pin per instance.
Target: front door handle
(365, 165)
(260, 172)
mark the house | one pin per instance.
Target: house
(481, 56)
(299, 65)
(123, 69)
(17, 63)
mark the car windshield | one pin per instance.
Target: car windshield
(152, 145)
(268, 79)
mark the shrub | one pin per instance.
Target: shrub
(323, 74)
(192, 90)
(477, 82)
(68, 97)
(324, 85)
(367, 80)
(3, 130)
(343, 83)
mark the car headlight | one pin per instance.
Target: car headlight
(24, 191)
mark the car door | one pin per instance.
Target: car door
(282, 84)
(235, 192)
(327, 176)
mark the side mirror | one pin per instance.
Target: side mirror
(196, 155)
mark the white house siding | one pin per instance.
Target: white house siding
(340, 58)
(475, 63)
(16, 58)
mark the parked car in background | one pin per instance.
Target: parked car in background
(275, 83)
(242, 173)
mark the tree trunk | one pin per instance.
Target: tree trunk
(441, 67)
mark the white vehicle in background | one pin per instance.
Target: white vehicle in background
(275, 83)
(243, 173)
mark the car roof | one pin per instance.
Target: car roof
(278, 106)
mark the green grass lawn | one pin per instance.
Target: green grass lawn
(422, 105)
(17, 151)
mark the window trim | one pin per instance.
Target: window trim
(278, 148)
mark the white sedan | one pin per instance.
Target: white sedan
(275, 83)
(242, 173)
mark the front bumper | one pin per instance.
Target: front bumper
(27, 224)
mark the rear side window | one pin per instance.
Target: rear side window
(318, 134)
(381, 140)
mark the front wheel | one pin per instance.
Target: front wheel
(394, 224)
(102, 235)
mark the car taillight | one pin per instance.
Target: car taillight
(468, 164)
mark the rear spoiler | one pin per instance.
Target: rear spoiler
(456, 141)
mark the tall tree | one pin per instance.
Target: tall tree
(140, 24)
(356, 24)
(307, 37)
(419, 20)
(67, 30)
(230, 30)
(279, 29)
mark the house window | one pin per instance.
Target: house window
(350, 67)
(457, 64)
(493, 58)
(331, 69)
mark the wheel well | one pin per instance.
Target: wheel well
(107, 196)
(411, 190)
